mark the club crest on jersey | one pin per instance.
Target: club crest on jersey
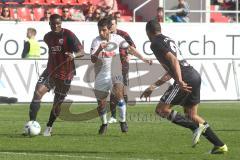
(111, 46)
(60, 41)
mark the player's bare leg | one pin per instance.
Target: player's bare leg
(102, 109)
(203, 129)
(55, 112)
(61, 90)
(118, 89)
(113, 105)
(192, 113)
(40, 90)
(165, 111)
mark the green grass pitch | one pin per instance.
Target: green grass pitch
(148, 138)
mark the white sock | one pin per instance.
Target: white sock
(104, 118)
(103, 115)
(122, 110)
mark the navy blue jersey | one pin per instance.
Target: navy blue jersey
(160, 46)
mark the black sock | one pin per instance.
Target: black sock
(33, 110)
(113, 113)
(52, 119)
(58, 100)
(113, 104)
(125, 98)
(212, 137)
(183, 121)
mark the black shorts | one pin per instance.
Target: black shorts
(60, 86)
(175, 96)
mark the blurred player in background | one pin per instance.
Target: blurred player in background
(125, 67)
(103, 50)
(31, 47)
(63, 46)
(185, 91)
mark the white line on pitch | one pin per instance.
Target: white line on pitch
(66, 156)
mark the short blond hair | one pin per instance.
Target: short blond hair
(32, 30)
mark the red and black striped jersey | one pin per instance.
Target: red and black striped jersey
(58, 44)
(123, 54)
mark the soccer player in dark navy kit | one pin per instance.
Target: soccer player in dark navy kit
(185, 91)
(63, 46)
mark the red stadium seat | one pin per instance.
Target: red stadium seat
(95, 2)
(53, 1)
(56, 11)
(25, 14)
(127, 18)
(13, 13)
(72, 11)
(37, 1)
(218, 17)
(68, 1)
(38, 13)
(82, 1)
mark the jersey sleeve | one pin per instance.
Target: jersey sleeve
(127, 37)
(75, 43)
(120, 41)
(129, 40)
(45, 39)
(94, 46)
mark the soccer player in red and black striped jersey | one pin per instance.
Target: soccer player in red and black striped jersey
(125, 67)
(63, 47)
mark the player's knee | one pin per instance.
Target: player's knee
(118, 91)
(38, 95)
(101, 104)
(118, 86)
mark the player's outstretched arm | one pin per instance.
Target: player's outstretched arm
(147, 93)
(78, 54)
(134, 52)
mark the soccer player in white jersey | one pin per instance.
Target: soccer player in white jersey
(103, 50)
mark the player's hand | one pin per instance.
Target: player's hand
(147, 61)
(147, 93)
(103, 45)
(70, 56)
(185, 87)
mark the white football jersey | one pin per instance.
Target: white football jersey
(103, 67)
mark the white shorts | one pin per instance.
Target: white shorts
(105, 85)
